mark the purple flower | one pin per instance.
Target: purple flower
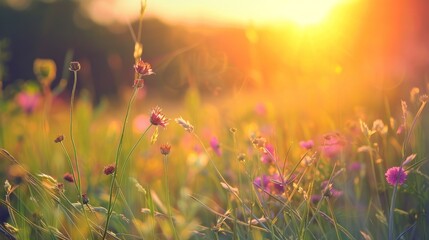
(214, 143)
(355, 167)
(396, 175)
(330, 191)
(271, 184)
(267, 156)
(307, 144)
(260, 109)
(28, 101)
(157, 118)
(332, 145)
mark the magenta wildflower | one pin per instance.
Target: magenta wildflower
(267, 156)
(28, 101)
(307, 144)
(143, 68)
(157, 118)
(215, 145)
(271, 184)
(355, 167)
(396, 175)
(333, 144)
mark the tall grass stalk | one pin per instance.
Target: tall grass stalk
(79, 186)
(167, 195)
(404, 152)
(118, 153)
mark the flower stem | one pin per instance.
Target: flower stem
(167, 194)
(78, 185)
(118, 153)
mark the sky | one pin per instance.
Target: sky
(220, 12)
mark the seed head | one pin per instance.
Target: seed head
(165, 149)
(85, 199)
(59, 139)
(68, 177)
(74, 66)
(185, 124)
(109, 169)
(157, 118)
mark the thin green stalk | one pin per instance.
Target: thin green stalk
(118, 153)
(167, 194)
(395, 188)
(71, 167)
(75, 150)
(125, 164)
(333, 218)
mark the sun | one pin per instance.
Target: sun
(309, 12)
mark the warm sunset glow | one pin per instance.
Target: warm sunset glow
(300, 12)
(309, 12)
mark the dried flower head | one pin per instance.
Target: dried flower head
(185, 124)
(109, 169)
(414, 93)
(396, 175)
(165, 149)
(378, 126)
(143, 68)
(157, 118)
(424, 98)
(68, 177)
(241, 157)
(74, 66)
(85, 199)
(259, 142)
(59, 139)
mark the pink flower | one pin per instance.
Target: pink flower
(396, 175)
(214, 144)
(333, 144)
(267, 156)
(307, 144)
(261, 109)
(143, 68)
(271, 184)
(157, 118)
(28, 101)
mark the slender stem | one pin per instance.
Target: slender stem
(118, 184)
(118, 153)
(79, 187)
(334, 220)
(71, 167)
(71, 132)
(167, 194)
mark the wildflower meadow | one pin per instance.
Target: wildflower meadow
(255, 158)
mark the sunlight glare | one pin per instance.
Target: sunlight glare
(309, 12)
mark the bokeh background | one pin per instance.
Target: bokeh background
(339, 51)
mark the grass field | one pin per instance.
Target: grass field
(247, 164)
